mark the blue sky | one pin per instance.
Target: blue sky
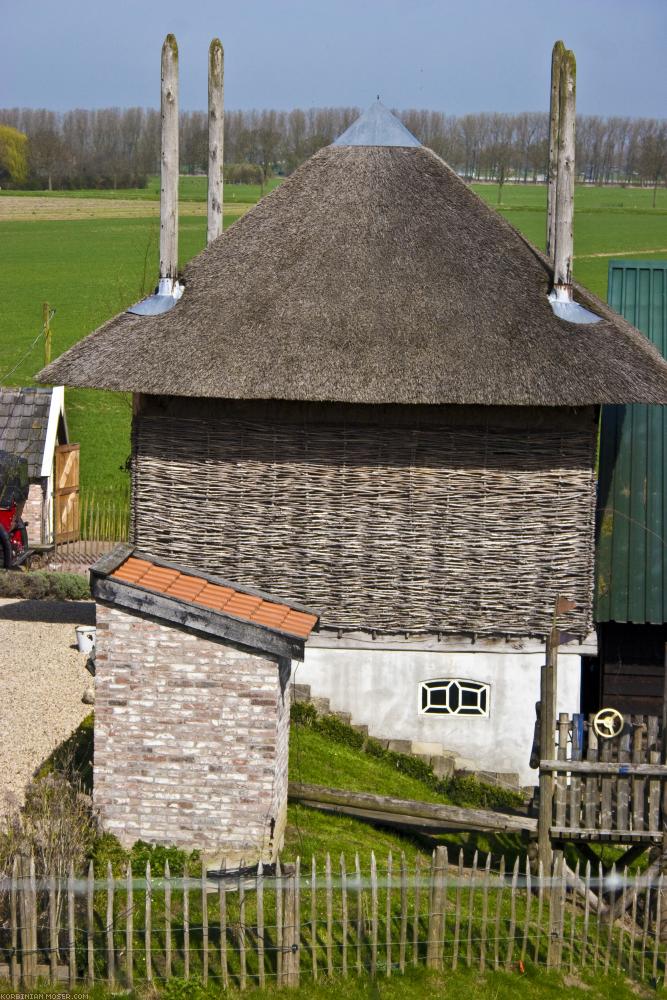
(468, 55)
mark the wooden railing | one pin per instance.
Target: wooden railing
(608, 789)
(301, 921)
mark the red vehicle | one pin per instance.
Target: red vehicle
(13, 494)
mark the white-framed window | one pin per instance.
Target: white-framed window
(454, 696)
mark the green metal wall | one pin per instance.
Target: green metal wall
(631, 565)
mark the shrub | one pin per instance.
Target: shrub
(44, 586)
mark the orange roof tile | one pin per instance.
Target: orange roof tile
(217, 597)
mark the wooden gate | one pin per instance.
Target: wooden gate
(67, 525)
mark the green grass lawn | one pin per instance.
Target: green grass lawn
(415, 984)
(88, 270)
(189, 189)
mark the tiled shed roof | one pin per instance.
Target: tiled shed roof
(139, 582)
(199, 590)
(24, 419)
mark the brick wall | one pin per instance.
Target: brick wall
(191, 740)
(33, 513)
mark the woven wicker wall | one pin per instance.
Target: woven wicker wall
(395, 529)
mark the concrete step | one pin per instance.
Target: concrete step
(501, 779)
(300, 692)
(345, 717)
(321, 705)
(360, 729)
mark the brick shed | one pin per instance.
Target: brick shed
(192, 707)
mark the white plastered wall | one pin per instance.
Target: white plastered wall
(380, 687)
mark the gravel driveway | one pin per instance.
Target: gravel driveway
(42, 680)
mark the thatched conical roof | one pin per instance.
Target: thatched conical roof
(372, 275)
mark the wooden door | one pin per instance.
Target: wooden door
(67, 493)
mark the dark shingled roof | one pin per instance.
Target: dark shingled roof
(24, 419)
(372, 275)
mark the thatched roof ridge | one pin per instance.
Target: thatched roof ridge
(372, 275)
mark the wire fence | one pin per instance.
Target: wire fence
(303, 921)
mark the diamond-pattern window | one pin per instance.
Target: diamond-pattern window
(454, 696)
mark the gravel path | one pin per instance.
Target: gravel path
(42, 680)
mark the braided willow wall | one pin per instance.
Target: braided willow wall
(394, 529)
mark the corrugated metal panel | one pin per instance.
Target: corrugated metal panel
(631, 577)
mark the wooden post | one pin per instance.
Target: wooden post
(148, 924)
(485, 913)
(46, 322)
(313, 916)
(259, 893)
(111, 957)
(417, 912)
(564, 228)
(360, 913)
(14, 925)
(329, 899)
(404, 914)
(556, 60)
(222, 903)
(216, 136)
(53, 931)
(279, 924)
(71, 928)
(374, 916)
(90, 924)
(186, 924)
(169, 165)
(344, 930)
(548, 688)
(167, 920)
(388, 916)
(129, 928)
(296, 945)
(242, 955)
(204, 923)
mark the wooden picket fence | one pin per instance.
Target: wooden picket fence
(103, 521)
(285, 924)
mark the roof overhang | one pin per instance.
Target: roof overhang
(189, 615)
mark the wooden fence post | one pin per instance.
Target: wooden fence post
(14, 908)
(436, 910)
(290, 943)
(129, 926)
(204, 922)
(53, 931)
(148, 923)
(111, 957)
(90, 923)
(344, 915)
(259, 893)
(28, 928)
(71, 928)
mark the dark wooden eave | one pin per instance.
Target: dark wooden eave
(186, 614)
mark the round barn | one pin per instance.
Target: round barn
(368, 405)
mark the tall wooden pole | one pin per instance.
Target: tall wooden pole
(556, 60)
(169, 165)
(564, 230)
(216, 137)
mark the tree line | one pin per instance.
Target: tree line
(113, 147)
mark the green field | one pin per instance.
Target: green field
(189, 189)
(90, 269)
